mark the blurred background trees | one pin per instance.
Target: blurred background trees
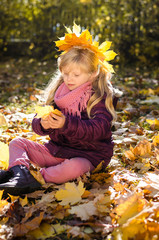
(30, 27)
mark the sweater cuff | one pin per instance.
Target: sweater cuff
(37, 127)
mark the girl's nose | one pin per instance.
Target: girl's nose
(69, 77)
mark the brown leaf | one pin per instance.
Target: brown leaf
(24, 227)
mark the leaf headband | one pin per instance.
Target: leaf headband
(84, 40)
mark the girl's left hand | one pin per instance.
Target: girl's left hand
(56, 121)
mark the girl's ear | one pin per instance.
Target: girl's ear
(94, 75)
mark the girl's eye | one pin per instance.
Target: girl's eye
(76, 75)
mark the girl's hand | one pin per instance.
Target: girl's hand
(53, 121)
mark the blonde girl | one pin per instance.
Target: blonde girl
(81, 137)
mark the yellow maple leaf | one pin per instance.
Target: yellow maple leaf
(44, 111)
(23, 201)
(13, 198)
(1, 194)
(143, 149)
(45, 231)
(155, 140)
(71, 194)
(3, 121)
(153, 122)
(129, 207)
(84, 40)
(4, 155)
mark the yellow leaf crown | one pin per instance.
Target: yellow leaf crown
(73, 38)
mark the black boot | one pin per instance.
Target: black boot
(5, 176)
(22, 181)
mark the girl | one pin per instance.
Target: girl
(80, 138)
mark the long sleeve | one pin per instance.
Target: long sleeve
(97, 128)
(38, 129)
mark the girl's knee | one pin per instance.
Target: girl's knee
(17, 142)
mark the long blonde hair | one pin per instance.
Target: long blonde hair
(89, 62)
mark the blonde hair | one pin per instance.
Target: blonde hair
(89, 63)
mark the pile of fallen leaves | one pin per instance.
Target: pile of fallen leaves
(120, 202)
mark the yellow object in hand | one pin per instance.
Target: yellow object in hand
(43, 112)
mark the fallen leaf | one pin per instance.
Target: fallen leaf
(43, 232)
(143, 149)
(156, 140)
(84, 211)
(3, 121)
(129, 206)
(71, 194)
(4, 155)
(153, 122)
(24, 227)
(23, 201)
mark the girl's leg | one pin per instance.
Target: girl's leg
(67, 170)
(22, 151)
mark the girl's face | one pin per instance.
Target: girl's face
(74, 76)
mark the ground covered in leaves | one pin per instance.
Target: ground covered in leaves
(120, 202)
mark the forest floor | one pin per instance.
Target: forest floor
(120, 202)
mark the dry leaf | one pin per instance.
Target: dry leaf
(156, 140)
(43, 112)
(3, 121)
(43, 232)
(24, 227)
(141, 226)
(129, 207)
(84, 211)
(143, 149)
(71, 194)
(4, 155)
(23, 201)
(153, 122)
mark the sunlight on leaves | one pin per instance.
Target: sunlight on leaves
(71, 194)
(3, 121)
(4, 155)
(143, 149)
(129, 207)
(142, 226)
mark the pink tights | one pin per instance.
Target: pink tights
(53, 169)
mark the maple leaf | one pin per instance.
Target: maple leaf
(143, 149)
(47, 231)
(153, 122)
(84, 211)
(3, 203)
(4, 155)
(35, 171)
(3, 121)
(71, 194)
(141, 226)
(130, 207)
(156, 140)
(44, 111)
(23, 201)
(84, 40)
(24, 227)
